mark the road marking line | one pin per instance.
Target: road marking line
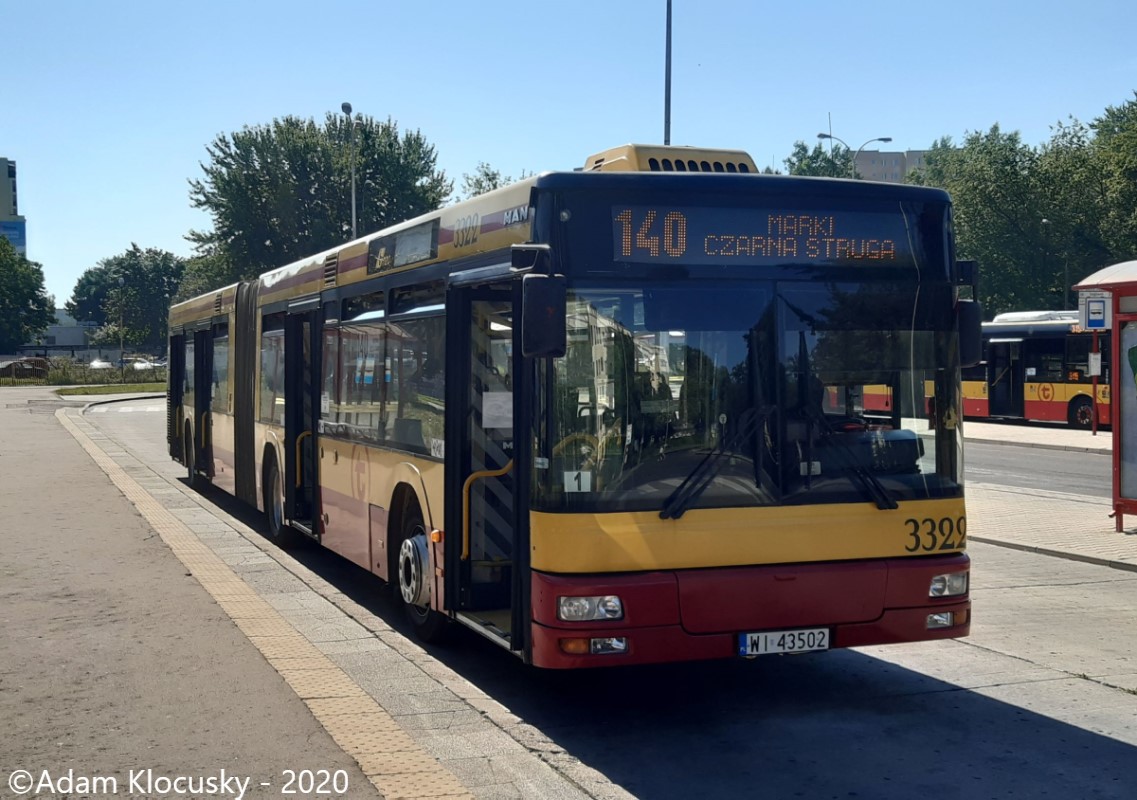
(397, 765)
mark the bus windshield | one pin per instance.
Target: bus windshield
(747, 393)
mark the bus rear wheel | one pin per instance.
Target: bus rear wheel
(1081, 414)
(284, 536)
(414, 577)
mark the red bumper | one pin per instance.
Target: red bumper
(669, 617)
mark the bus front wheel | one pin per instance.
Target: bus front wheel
(1081, 414)
(414, 577)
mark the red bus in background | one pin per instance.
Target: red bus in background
(1035, 367)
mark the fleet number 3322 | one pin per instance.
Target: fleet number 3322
(928, 534)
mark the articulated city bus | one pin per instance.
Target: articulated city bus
(1036, 367)
(608, 416)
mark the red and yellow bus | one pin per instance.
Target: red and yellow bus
(607, 416)
(1036, 366)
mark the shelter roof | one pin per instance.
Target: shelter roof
(1123, 275)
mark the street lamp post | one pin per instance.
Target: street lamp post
(346, 108)
(853, 168)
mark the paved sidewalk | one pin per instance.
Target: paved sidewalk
(1056, 523)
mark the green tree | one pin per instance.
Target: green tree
(26, 309)
(1000, 206)
(1115, 150)
(835, 163)
(134, 287)
(486, 179)
(1073, 184)
(204, 273)
(280, 192)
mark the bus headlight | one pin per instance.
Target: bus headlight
(583, 609)
(949, 585)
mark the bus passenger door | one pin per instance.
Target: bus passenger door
(202, 390)
(175, 389)
(483, 582)
(1006, 377)
(301, 407)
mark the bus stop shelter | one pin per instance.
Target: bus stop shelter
(1108, 300)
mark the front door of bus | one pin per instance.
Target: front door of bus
(480, 454)
(1004, 362)
(301, 406)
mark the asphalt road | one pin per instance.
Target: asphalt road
(1039, 468)
(1041, 700)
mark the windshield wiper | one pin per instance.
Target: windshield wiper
(704, 472)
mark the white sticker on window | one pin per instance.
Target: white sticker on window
(325, 403)
(579, 481)
(497, 410)
(438, 448)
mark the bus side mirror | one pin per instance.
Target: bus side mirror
(967, 274)
(969, 315)
(543, 308)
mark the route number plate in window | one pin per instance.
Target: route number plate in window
(800, 641)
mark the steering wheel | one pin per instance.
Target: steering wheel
(572, 438)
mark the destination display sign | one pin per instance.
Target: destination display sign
(748, 236)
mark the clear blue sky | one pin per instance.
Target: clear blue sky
(107, 107)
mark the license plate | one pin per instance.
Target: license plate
(800, 641)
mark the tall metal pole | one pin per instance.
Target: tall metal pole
(667, 82)
(346, 108)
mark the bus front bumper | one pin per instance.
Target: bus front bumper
(664, 622)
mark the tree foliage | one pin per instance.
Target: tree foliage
(1038, 220)
(485, 179)
(26, 309)
(280, 192)
(821, 162)
(998, 204)
(140, 300)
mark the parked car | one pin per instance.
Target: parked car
(25, 367)
(100, 363)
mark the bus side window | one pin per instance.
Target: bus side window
(1078, 358)
(1043, 359)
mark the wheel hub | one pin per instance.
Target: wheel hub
(413, 560)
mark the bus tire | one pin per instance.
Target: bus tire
(279, 531)
(1081, 413)
(413, 577)
(189, 458)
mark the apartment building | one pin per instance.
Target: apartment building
(889, 166)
